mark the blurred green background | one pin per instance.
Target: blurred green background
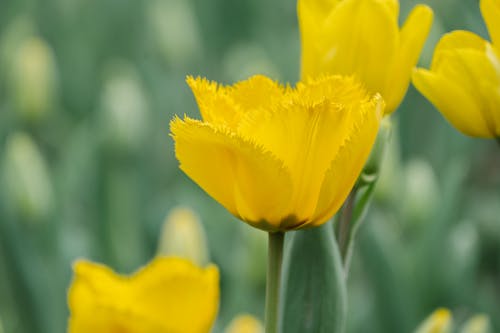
(87, 169)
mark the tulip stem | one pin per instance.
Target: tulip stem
(275, 258)
(498, 140)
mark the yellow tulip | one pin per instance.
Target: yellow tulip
(278, 158)
(463, 82)
(169, 295)
(362, 37)
(440, 321)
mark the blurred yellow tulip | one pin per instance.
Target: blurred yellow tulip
(244, 324)
(169, 295)
(278, 158)
(362, 37)
(463, 82)
(440, 321)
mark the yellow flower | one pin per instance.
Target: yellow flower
(279, 158)
(463, 82)
(362, 37)
(169, 295)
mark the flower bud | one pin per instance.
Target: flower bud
(421, 190)
(477, 324)
(244, 323)
(27, 179)
(372, 167)
(125, 117)
(34, 79)
(175, 29)
(183, 236)
(440, 321)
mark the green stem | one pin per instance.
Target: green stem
(344, 232)
(275, 258)
(498, 140)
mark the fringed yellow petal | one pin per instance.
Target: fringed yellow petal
(453, 101)
(362, 51)
(257, 92)
(491, 14)
(412, 38)
(348, 162)
(169, 295)
(225, 105)
(249, 182)
(214, 103)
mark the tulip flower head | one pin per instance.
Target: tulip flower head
(362, 38)
(463, 82)
(278, 158)
(170, 295)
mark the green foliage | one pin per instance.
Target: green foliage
(314, 288)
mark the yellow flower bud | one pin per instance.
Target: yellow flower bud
(440, 321)
(245, 323)
(183, 236)
(463, 82)
(27, 179)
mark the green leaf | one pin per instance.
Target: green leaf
(314, 289)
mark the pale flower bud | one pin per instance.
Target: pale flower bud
(477, 324)
(125, 110)
(244, 323)
(27, 179)
(34, 79)
(183, 236)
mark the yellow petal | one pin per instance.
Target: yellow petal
(214, 103)
(455, 40)
(360, 37)
(492, 105)
(412, 38)
(471, 69)
(348, 162)
(169, 295)
(225, 105)
(249, 182)
(257, 92)
(491, 14)
(453, 101)
(311, 16)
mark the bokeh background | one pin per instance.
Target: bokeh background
(87, 168)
